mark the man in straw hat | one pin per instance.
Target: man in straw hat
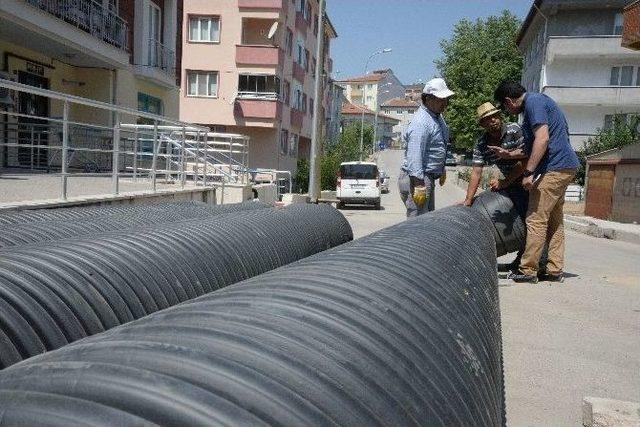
(499, 137)
(426, 140)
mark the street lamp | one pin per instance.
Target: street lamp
(375, 122)
(366, 66)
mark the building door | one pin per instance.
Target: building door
(600, 191)
(32, 131)
(155, 46)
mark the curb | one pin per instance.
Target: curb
(590, 228)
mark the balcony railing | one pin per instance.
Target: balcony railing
(606, 96)
(258, 108)
(258, 55)
(260, 4)
(587, 47)
(162, 57)
(89, 16)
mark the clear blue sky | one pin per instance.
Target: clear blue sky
(412, 28)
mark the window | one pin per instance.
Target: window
(306, 60)
(315, 25)
(153, 35)
(149, 104)
(202, 83)
(297, 96)
(293, 145)
(289, 41)
(311, 106)
(258, 86)
(204, 29)
(284, 142)
(307, 11)
(304, 102)
(621, 76)
(618, 24)
(300, 51)
(611, 119)
(313, 67)
(286, 92)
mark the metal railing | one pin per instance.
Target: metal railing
(89, 16)
(162, 57)
(163, 148)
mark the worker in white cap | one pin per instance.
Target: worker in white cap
(426, 140)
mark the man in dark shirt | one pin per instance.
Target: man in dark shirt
(499, 136)
(550, 168)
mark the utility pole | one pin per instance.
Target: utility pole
(314, 166)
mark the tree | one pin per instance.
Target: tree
(475, 60)
(623, 131)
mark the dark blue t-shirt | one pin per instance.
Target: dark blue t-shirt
(538, 110)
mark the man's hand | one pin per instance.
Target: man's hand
(495, 185)
(465, 202)
(443, 178)
(527, 182)
(415, 181)
(503, 153)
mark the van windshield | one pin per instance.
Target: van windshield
(358, 171)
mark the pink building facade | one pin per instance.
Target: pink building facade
(248, 67)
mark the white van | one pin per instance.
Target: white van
(358, 183)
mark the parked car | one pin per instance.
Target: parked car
(358, 183)
(450, 160)
(384, 182)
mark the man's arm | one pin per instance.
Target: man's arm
(540, 144)
(474, 182)
(515, 173)
(503, 153)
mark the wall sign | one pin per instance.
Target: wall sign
(35, 68)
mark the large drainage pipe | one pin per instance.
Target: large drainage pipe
(97, 220)
(54, 293)
(401, 327)
(508, 228)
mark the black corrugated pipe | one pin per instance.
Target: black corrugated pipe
(401, 328)
(509, 230)
(112, 219)
(54, 293)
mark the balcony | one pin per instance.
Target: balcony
(258, 108)
(605, 96)
(299, 72)
(162, 58)
(302, 24)
(631, 28)
(587, 47)
(258, 55)
(90, 17)
(296, 118)
(260, 4)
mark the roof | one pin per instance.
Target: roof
(330, 27)
(400, 102)
(415, 86)
(354, 109)
(367, 78)
(626, 154)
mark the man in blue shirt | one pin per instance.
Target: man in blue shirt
(426, 140)
(550, 168)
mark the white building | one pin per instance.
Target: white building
(371, 90)
(573, 54)
(401, 109)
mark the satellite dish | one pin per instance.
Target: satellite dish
(272, 30)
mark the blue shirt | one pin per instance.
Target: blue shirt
(426, 141)
(539, 110)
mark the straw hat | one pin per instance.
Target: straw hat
(485, 110)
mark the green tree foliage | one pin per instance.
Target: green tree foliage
(475, 60)
(346, 149)
(622, 132)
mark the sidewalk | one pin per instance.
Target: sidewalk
(604, 229)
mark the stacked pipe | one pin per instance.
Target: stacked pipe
(31, 228)
(401, 327)
(53, 293)
(509, 230)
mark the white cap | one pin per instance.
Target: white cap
(438, 88)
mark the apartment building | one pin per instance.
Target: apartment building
(335, 94)
(402, 109)
(631, 26)
(413, 91)
(249, 68)
(383, 123)
(573, 53)
(372, 89)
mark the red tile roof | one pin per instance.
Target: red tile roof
(400, 102)
(353, 109)
(368, 78)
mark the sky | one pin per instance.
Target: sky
(411, 28)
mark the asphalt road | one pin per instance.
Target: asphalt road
(561, 343)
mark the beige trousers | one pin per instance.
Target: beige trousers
(545, 222)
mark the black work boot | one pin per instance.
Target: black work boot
(519, 277)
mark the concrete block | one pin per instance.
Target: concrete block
(599, 412)
(290, 198)
(267, 193)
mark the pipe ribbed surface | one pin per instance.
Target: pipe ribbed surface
(91, 221)
(509, 230)
(401, 327)
(54, 293)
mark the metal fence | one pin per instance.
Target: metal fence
(148, 147)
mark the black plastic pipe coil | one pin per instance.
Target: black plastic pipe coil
(401, 328)
(508, 228)
(54, 293)
(99, 220)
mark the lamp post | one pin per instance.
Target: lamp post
(366, 65)
(375, 121)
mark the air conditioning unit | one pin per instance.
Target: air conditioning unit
(7, 96)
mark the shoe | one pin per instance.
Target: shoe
(520, 277)
(512, 266)
(548, 277)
